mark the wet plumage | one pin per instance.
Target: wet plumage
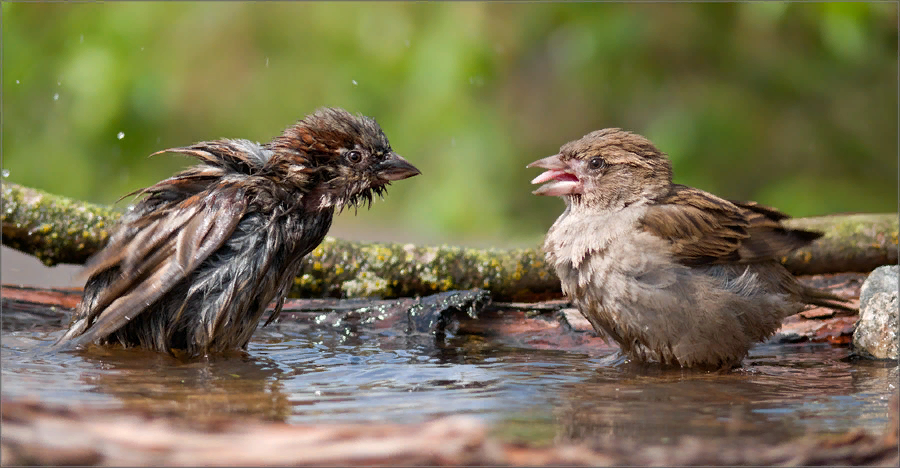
(192, 267)
(673, 274)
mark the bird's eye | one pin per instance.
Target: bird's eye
(354, 156)
(597, 163)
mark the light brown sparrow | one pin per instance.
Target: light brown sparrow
(673, 274)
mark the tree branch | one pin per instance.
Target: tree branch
(60, 230)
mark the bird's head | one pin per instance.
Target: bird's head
(608, 169)
(340, 159)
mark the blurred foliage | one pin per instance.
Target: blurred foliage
(791, 104)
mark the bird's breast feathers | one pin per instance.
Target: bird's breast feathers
(586, 247)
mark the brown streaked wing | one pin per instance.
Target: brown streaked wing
(188, 182)
(706, 229)
(702, 228)
(771, 214)
(209, 223)
(768, 237)
(148, 233)
(221, 153)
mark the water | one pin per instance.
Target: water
(300, 372)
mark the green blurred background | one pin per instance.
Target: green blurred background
(793, 105)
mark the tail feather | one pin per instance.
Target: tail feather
(822, 298)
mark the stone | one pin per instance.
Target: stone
(877, 330)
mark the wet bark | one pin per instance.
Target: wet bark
(526, 325)
(60, 230)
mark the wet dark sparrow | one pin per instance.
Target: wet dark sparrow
(193, 265)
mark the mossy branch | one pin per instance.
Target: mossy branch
(342, 268)
(852, 243)
(60, 230)
(53, 228)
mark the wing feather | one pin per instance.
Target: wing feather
(166, 253)
(705, 229)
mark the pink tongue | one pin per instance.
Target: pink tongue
(554, 174)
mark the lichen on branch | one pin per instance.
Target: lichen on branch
(53, 228)
(61, 230)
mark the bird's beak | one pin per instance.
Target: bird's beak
(550, 162)
(394, 167)
(561, 177)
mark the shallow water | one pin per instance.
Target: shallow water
(303, 373)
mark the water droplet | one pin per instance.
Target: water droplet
(5, 173)
(56, 96)
(120, 135)
(355, 83)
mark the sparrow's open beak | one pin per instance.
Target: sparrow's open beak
(394, 167)
(561, 177)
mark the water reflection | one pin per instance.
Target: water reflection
(149, 382)
(781, 392)
(303, 372)
(235, 384)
